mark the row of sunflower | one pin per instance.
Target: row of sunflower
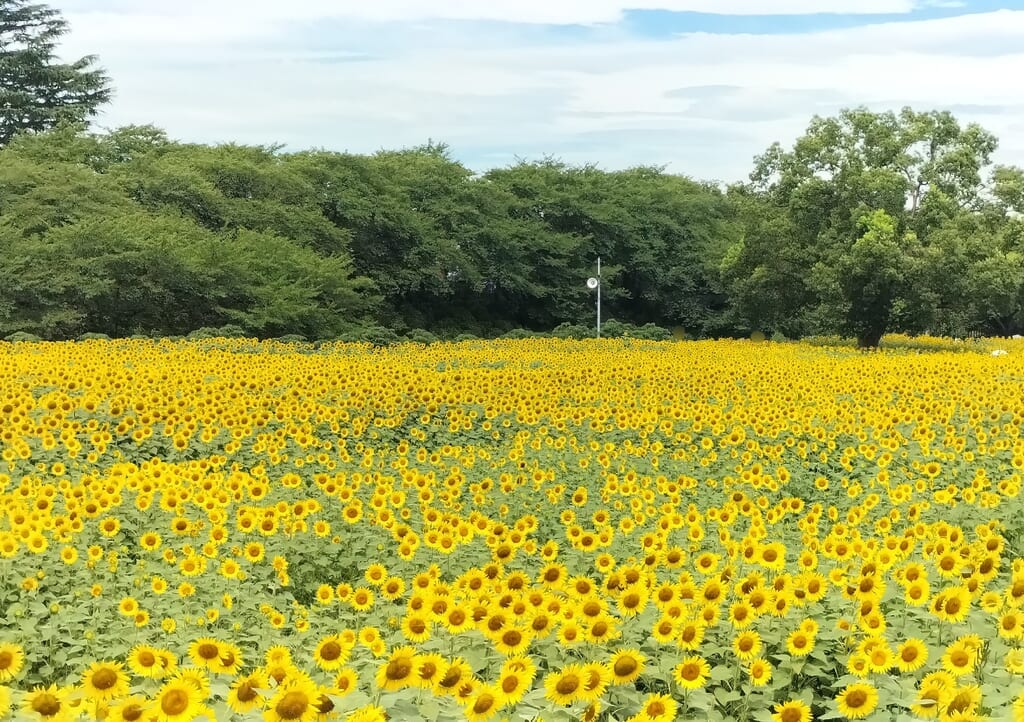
(602, 530)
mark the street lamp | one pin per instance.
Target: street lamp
(595, 283)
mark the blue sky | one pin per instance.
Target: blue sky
(700, 86)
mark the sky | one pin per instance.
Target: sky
(697, 86)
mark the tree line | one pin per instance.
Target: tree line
(869, 223)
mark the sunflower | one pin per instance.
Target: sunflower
(691, 634)
(596, 678)
(514, 680)
(430, 669)
(455, 675)
(229, 661)
(626, 665)
(12, 658)
(398, 671)
(49, 704)
(178, 700)
(1018, 708)
(692, 672)
(295, 700)
(105, 681)
(857, 700)
(746, 645)
(911, 655)
(792, 711)
(931, 698)
(566, 686)
(483, 704)
(760, 672)
(1011, 625)
(204, 652)
(346, 681)
(952, 605)
(127, 709)
(457, 618)
(799, 643)
(959, 659)
(244, 695)
(416, 627)
(331, 653)
(369, 713)
(658, 708)
(144, 661)
(964, 699)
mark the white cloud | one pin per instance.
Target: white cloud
(252, 13)
(702, 103)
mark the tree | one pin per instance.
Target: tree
(36, 91)
(852, 207)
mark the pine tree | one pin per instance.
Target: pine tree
(37, 91)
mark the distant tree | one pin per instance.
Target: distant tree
(36, 91)
(838, 228)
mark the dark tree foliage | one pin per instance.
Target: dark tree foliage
(36, 91)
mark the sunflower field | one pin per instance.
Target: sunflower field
(602, 530)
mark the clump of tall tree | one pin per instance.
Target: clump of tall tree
(876, 222)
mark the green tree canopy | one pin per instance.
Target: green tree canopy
(37, 91)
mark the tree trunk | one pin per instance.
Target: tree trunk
(870, 338)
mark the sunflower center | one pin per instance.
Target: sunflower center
(174, 702)
(856, 698)
(510, 684)
(624, 667)
(398, 669)
(512, 638)
(293, 705)
(146, 658)
(791, 714)
(483, 703)
(245, 692)
(330, 651)
(690, 672)
(451, 678)
(104, 678)
(208, 651)
(132, 712)
(46, 704)
(568, 684)
(324, 705)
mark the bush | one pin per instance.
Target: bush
(569, 330)
(23, 337)
(517, 334)
(374, 335)
(227, 331)
(94, 337)
(419, 335)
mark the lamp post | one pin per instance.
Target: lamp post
(595, 283)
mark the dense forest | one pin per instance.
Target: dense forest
(869, 223)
